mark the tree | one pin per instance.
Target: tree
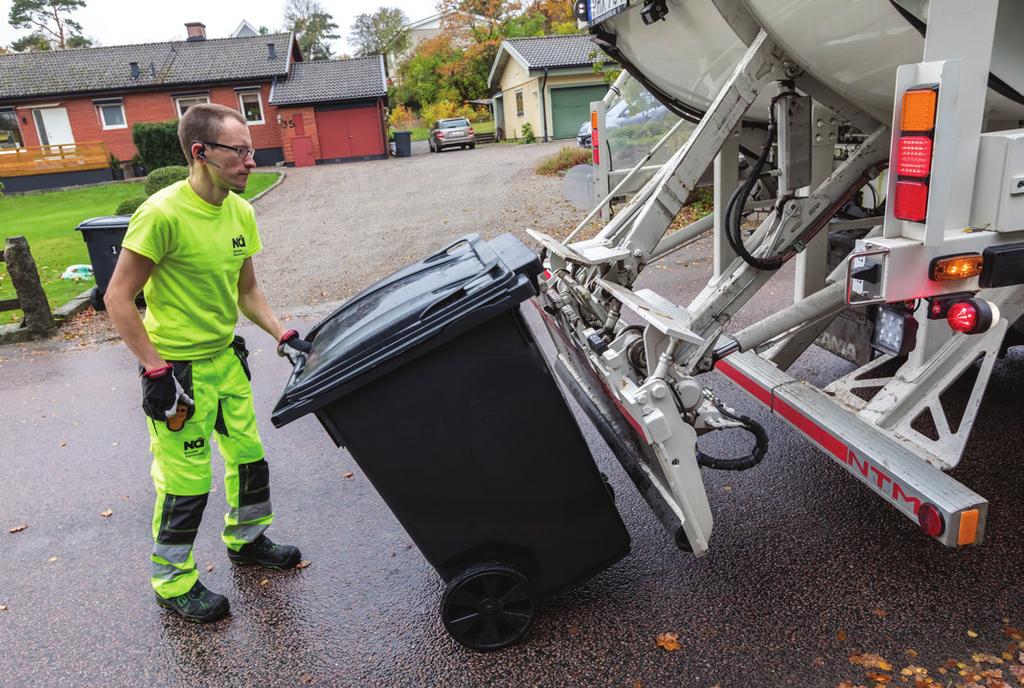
(263, 31)
(32, 43)
(49, 18)
(313, 28)
(380, 33)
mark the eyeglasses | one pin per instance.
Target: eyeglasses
(242, 152)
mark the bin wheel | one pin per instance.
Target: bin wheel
(96, 300)
(488, 607)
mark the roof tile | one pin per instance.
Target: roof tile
(323, 80)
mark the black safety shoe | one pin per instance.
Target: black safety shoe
(265, 553)
(198, 604)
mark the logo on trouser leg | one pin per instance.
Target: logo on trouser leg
(194, 447)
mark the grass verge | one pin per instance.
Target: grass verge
(564, 159)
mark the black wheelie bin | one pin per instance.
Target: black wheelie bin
(434, 383)
(103, 237)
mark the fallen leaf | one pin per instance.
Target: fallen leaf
(982, 658)
(638, 684)
(972, 634)
(1014, 633)
(306, 678)
(992, 673)
(841, 635)
(727, 488)
(911, 652)
(304, 564)
(53, 558)
(3, 607)
(63, 444)
(819, 661)
(880, 613)
(264, 581)
(878, 678)
(1007, 656)
(209, 568)
(668, 642)
(107, 514)
(346, 475)
(17, 529)
(870, 661)
(1017, 672)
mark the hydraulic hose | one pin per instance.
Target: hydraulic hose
(740, 463)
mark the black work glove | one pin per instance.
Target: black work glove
(161, 392)
(293, 346)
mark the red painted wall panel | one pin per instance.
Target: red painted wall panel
(156, 106)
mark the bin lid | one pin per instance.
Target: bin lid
(407, 314)
(105, 222)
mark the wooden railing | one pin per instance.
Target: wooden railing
(69, 157)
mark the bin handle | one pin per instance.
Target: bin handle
(467, 240)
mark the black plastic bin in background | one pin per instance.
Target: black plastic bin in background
(403, 144)
(434, 383)
(103, 237)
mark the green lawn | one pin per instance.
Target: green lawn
(419, 133)
(48, 220)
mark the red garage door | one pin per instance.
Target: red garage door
(349, 132)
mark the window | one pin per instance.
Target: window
(519, 104)
(183, 103)
(112, 115)
(10, 132)
(251, 106)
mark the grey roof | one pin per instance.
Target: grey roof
(88, 70)
(555, 51)
(322, 80)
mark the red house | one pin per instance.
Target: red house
(63, 113)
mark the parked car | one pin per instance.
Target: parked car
(449, 133)
(618, 116)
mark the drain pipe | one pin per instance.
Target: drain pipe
(543, 106)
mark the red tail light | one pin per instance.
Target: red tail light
(440, 134)
(911, 201)
(914, 156)
(471, 132)
(972, 316)
(931, 520)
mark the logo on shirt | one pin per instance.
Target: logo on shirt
(195, 446)
(238, 245)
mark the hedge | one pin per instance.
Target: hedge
(164, 176)
(129, 205)
(158, 144)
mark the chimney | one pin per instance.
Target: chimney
(271, 52)
(134, 66)
(196, 31)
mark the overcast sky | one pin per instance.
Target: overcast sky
(117, 22)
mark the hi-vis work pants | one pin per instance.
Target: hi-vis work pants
(181, 467)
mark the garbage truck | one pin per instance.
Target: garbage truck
(797, 108)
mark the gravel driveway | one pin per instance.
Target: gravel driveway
(328, 231)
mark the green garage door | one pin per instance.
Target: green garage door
(570, 107)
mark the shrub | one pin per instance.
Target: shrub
(442, 109)
(157, 143)
(164, 176)
(527, 134)
(567, 157)
(401, 118)
(129, 205)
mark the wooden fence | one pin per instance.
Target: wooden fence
(70, 157)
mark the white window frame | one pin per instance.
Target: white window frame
(103, 120)
(178, 99)
(259, 101)
(520, 99)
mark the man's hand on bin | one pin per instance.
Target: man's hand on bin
(161, 392)
(293, 346)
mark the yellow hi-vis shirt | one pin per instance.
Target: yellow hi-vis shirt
(198, 248)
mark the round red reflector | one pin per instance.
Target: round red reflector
(931, 520)
(963, 317)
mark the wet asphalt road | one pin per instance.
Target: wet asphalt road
(805, 566)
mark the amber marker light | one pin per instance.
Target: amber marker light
(957, 267)
(918, 112)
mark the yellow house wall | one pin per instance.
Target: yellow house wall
(515, 77)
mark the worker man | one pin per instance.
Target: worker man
(189, 247)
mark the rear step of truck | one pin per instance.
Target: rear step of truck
(945, 509)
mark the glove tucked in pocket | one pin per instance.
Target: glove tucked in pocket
(238, 346)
